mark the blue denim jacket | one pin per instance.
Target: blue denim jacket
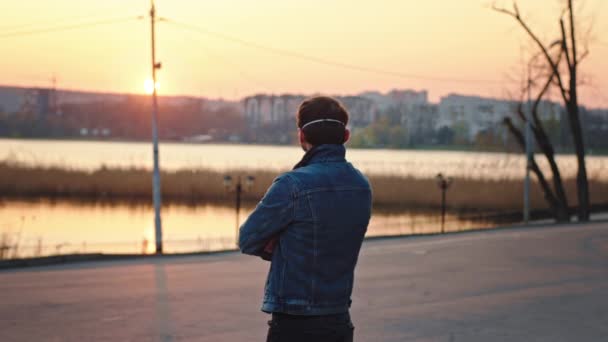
(320, 212)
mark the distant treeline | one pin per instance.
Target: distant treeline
(126, 120)
(388, 132)
(197, 120)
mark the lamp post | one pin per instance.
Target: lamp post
(443, 183)
(238, 188)
(156, 192)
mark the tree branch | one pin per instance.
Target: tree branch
(515, 14)
(565, 44)
(520, 112)
(549, 195)
(544, 90)
(572, 35)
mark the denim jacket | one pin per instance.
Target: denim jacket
(320, 212)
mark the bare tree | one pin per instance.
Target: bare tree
(562, 65)
(556, 196)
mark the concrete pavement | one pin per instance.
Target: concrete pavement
(542, 284)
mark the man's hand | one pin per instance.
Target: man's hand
(269, 248)
(270, 217)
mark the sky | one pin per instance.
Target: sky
(437, 45)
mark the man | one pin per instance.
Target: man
(310, 225)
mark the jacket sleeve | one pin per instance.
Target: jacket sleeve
(271, 216)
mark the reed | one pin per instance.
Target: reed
(205, 186)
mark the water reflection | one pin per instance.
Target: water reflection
(32, 228)
(91, 155)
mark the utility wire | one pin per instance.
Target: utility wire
(245, 75)
(62, 20)
(222, 59)
(318, 60)
(67, 27)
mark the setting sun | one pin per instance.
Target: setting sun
(148, 85)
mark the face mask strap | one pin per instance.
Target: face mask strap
(322, 120)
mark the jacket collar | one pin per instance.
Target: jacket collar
(323, 154)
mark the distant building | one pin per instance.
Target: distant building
(11, 99)
(216, 105)
(420, 121)
(362, 111)
(472, 114)
(595, 127)
(39, 101)
(271, 118)
(82, 97)
(397, 98)
(271, 110)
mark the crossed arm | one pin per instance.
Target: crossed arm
(259, 233)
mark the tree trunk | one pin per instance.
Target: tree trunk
(563, 212)
(575, 125)
(579, 146)
(549, 196)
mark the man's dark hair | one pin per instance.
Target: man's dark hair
(323, 120)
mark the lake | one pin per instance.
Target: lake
(46, 227)
(93, 154)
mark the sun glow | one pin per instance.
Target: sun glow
(148, 243)
(148, 85)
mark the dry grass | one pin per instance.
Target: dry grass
(199, 186)
(475, 194)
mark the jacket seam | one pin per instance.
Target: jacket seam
(334, 188)
(314, 249)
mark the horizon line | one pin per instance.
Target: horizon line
(241, 98)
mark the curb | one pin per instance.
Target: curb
(96, 257)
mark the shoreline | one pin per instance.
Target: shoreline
(424, 148)
(9, 265)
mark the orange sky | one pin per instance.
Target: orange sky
(434, 38)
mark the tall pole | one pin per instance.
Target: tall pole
(444, 188)
(239, 189)
(156, 176)
(528, 136)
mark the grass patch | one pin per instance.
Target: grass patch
(193, 187)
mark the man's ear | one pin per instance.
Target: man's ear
(346, 135)
(301, 137)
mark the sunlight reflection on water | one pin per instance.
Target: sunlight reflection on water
(423, 164)
(44, 227)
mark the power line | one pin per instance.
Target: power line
(62, 20)
(245, 75)
(67, 27)
(242, 73)
(318, 60)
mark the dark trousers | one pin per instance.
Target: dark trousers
(328, 328)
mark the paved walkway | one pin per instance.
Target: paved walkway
(543, 284)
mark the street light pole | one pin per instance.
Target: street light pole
(238, 189)
(443, 183)
(443, 191)
(528, 137)
(156, 176)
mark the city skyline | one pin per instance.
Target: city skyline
(481, 53)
